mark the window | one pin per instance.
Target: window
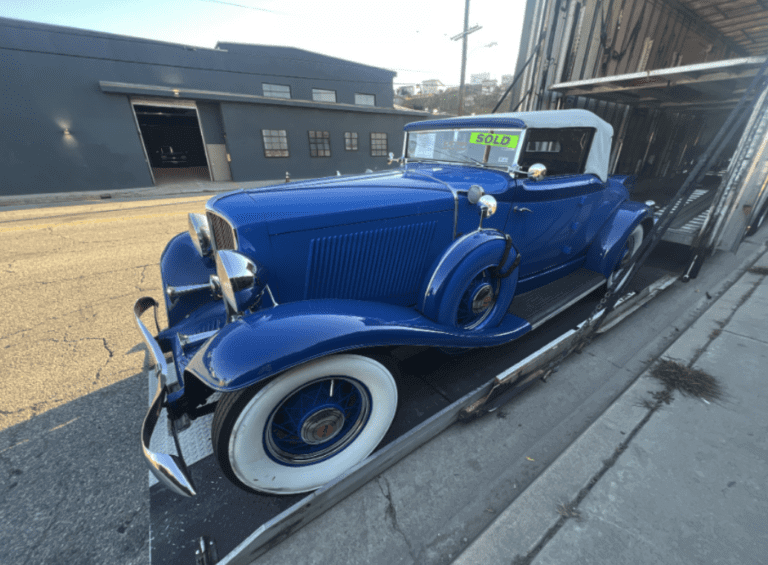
(365, 99)
(275, 142)
(276, 90)
(319, 95)
(378, 144)
(350, 140)
(319, 144)
(563, 151)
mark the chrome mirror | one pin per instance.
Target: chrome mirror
(391, 159)
(200, 233)
(537, 171)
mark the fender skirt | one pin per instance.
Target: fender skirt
(270, 341)
(609, 243)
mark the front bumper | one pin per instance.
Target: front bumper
(170, 470)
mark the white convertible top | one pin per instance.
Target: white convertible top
(599, 154)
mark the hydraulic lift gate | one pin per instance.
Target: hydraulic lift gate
(434, 389)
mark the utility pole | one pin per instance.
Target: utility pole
(463, 35)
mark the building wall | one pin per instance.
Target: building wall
(244, 124)
(50, 82)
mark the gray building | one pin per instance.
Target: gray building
(84, 110)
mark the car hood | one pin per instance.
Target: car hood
(342, 200)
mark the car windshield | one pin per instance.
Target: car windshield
(484, 147)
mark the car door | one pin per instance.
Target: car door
(548, 221)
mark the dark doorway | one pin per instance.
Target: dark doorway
(174, 142)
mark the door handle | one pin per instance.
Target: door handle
(518, 209)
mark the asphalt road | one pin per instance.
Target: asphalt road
(73, 487)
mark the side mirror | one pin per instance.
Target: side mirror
(537, 171)
(487, 205)
(391, 158)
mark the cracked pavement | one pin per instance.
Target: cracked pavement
(73, 487)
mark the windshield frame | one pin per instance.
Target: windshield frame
(509, 167)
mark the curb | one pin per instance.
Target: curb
(522, 529)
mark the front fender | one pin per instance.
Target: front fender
(609, 243)
(270, 341)
(181, 264)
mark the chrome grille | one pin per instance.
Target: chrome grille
(222, 232)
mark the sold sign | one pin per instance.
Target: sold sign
(494, 139)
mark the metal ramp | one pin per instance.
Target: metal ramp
(434, 388)
(690, 220)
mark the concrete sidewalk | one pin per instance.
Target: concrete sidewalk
(651, 481)
(167, 190)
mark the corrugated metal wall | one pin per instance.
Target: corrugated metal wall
(573, 40)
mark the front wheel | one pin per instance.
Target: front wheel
(306, 427)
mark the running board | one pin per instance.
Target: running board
(541, 305)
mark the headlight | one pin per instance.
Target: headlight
(200, 233)
(242, 280)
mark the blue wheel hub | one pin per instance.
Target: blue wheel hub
(477, 301)
(317, 421)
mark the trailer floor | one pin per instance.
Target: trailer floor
(429, 381)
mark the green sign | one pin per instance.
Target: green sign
(494, 139)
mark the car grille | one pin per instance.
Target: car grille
(223, 234)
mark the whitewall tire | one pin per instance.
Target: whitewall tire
(305, 427)
(631, 246)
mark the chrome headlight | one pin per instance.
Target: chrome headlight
(242, 280)
(200, 233)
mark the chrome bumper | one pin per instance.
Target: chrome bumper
(170, 470)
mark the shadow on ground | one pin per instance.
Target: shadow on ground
(73, 486)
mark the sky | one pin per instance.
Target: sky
(411, 37)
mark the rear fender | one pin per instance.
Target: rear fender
(273, 340)
(607, 247)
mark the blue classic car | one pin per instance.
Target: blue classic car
(284, 299)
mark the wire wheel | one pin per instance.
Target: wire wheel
(477, 301)
(317, 421)
(305, 427)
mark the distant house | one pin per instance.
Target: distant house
(488, 86)
(432, 86)
(479, 78)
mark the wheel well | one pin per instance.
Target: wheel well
(647, 224)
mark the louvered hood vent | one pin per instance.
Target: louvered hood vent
(368, 265)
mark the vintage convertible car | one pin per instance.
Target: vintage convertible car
(284, 298)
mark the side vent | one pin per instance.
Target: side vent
(366, 265)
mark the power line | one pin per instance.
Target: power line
(242, 6)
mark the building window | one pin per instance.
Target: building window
(350, 140)
(365, 99)
(319, 144)
(276, 90)
(275, 142)
(319, 95)
(378, 144)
